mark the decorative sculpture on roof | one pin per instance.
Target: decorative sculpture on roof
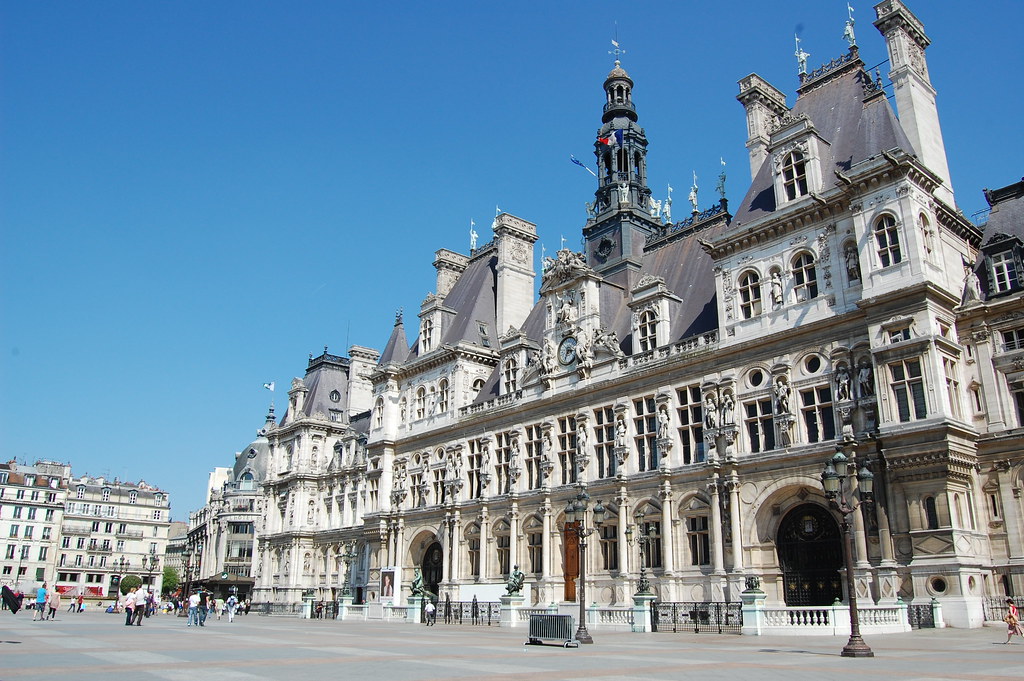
(584, 355)
(567, 308)
(801, 58)
(720, 187)
(693, 193)
(655, 207)
(472, 236)
(566, 265)
(848, 34)
(607, 341)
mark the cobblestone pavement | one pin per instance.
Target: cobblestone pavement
(94, 646)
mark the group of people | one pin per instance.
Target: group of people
(138, 604)
(202, 604)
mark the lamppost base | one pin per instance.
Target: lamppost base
(856, 647)
(583, 636)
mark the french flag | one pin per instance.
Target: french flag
(614, 139)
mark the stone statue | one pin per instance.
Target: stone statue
(581, 440)
(667, 211)
(418, 590)
(852, 263)
(655, 207)
(720, 187)
(782, 396)
(567, 309)
(710, 411)
(472, 236)
(848, 34)
(547, 359)
(620, 432)
(801, 58)
(515, 581)
(776, 287)
(693, 194)
(865, 381)
(591, 211)
(623, 192)
(843, 383)
(584, 355)
(663, 423)
(972, 287)
(728, 407)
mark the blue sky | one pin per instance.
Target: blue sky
(197, 195)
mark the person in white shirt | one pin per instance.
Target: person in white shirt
(193, 609)
(129, 608)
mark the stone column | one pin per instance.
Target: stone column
(485, 542)
(667, 534)
(515, 536)
(545, 546)
(735, 526)
(623, 501)
(717, 542)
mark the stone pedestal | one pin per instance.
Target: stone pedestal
(510, 606)
(414, 610)
(344, 605)
(642, 620)
(307, 606)
(753, 611)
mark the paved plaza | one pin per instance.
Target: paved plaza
(94, 645)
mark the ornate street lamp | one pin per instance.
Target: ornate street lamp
(642, 536)
(349, 557)
(122, 564)
(575, 522)
(150, 563)
(834, 480)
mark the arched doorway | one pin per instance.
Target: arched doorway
(432, 568)
(810, 551)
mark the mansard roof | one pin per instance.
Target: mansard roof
(856, 126)
(472, 301)
(1007, 216)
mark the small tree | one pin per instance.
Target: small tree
(171, 580)
(130, 583)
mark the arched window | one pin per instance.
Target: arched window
(478, 385)
(750, 295)
(887, 238)
(647, 330)
(927, 235)
(510, 373)
(443, 396)
(931, 514)
(794, 175)
(420, 404)
(426, 335)
(650, 525)
(805, 278)
(534, 529)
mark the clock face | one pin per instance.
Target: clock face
(567, 350)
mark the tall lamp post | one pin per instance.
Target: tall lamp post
(641, 536)
(150, 563)
(349, 557)
(838, 490)
(122, 564)
(575, 522)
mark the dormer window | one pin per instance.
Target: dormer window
(647, 330)
(133, 497)
(420, 403)
(426, 335)
(899, 334)
(443, 396)
(794, 175)
(80, 493)
(510, 375)
(887, 238)
(378, 413)
(1004, 272)
(750, 295)
(106, 494)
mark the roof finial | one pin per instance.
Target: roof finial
(398, 317)
(617, 51)
(801, 57)
(848, 34)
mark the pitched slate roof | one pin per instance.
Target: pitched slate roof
(1007, 216)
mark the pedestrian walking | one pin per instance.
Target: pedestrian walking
(40, 612)
(53, 603)
(231, 604)
(431, 613)
(129, 608)
(81, 602)
(193, 609)
(140, 607)
(1012, 620)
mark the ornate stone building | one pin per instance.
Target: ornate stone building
(32, 499)
(693, 375)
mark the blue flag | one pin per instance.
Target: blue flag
(581, 165)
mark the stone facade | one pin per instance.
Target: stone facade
(31, 511)
(692, 375)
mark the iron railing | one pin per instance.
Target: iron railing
(469, 612)
(716, 617)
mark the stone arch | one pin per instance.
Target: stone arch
(810, 553)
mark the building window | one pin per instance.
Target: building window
(900, 334)
(1017, 390)
(794, 175)
(439, 489)
(931, 514)
(952, 386)
(691, 424)
(760, 426)
(106, 494)
(133, 497)
(1004, 272)
(18, 510)
(805, 278)
(11, 548)
(610, 546)
(65, 542)
(24, 551)
(46, 532)
(378, 413)
(819, 418)
(534, 445)
(426, 335)
(443, 396)
(651, 526)
(14, 531)
(157, 515)
(604, 442)
(700, 540)
(750, 295)
(509, 374)
(1013, 339)
(503, 544)
(535, 544)
(502, 459)
(887, 238)
(645, 424)
(420, 403)
(567, 448)
(48, 516)
(475, 461)
(80, 493)
(647, 330)
(473, 540)
(907, 387)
